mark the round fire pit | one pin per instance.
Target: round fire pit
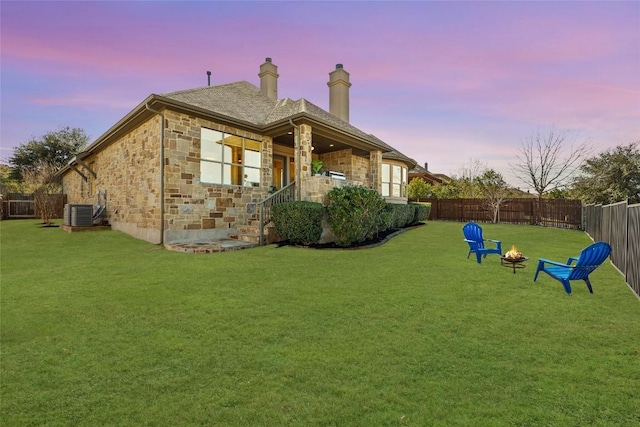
(513, 262)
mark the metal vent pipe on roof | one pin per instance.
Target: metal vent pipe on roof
(208, 78)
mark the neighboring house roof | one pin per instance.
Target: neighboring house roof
(421, 172)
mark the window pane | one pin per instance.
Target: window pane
(397, 174)
(250, 144)
(404, 175)
(251, 158)
(233, 141)
(396, 190)
(386, 177)
(251, 177)
(232, 175)
(385, 190)
(228, 157)
(211, 145)
(210, 172)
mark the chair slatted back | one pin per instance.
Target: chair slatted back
(590, 258)
(473, 231)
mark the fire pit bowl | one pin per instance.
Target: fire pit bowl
(517, 262)
(513, 258)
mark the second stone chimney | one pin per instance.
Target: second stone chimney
(339, 93)
(269, 79)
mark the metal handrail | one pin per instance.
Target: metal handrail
(285, 194)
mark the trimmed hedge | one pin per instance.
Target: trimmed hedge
(400, 215)
(298, 222)
(423, 210)
(355, 214)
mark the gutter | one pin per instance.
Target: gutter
(146, 105)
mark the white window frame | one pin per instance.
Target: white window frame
(219, 170)
(394, 180)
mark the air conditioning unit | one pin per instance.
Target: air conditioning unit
(78, 215)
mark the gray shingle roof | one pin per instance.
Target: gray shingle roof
(240, 100)
(244, 101)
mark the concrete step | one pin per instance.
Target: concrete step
(249, 238)
(248, 229)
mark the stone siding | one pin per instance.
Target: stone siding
(179, 207)
(200, 211)
(316, 188)
(375, 162)
(129, 170)
(353, 167)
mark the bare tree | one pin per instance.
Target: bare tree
(548, 161)
(464, 183)
(495, 191)
(43, 183)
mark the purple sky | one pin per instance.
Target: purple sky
(443, 82)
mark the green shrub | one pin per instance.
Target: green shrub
(400, 215)
(422, 211)
(355, 214)
(298, 222)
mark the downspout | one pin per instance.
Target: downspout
(161, 169)
(296, 142)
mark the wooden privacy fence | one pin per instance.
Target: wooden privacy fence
(18, 205)
(559, 213)
(619, 225)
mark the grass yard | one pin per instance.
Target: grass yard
(101, 329)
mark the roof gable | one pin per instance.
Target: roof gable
(240, 100)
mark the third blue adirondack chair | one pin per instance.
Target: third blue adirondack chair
(473, 236)
(590, 258)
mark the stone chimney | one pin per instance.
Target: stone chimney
(269, 79)
(339, 93)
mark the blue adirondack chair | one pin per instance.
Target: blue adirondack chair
(590, 258)
(473, 236)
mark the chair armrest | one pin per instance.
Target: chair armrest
(547, 261)
(494, 241)
(572, 259)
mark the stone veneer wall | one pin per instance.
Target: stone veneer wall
(129, 170)
(375, 162)
(316, 188)
(355, 168)
(196, 211)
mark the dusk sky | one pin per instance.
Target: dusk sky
(443, 82)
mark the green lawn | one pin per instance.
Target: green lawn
(101, 329)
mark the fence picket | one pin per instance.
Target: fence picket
(553, 212)
(619, 225)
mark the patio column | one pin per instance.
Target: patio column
(306, 150)
(375, 171)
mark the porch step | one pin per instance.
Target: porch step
(253, 238)
(222, 245)
(247, 233)
(248, 229)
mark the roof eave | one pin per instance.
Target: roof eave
(348, 137)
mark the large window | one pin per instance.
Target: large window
(394, 180)
(228, 159)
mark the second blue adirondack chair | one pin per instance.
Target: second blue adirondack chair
(590, 258)
(473, 236)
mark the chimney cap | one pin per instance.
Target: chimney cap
(267, 59)
(339, 66)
